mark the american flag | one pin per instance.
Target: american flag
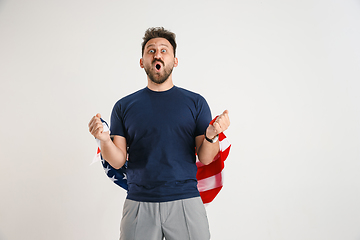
(210, 179)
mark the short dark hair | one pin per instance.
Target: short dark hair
(158, 32)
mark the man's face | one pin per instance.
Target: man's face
(158, 60)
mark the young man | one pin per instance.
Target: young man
(161, 127)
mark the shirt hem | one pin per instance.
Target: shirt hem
(162, 199)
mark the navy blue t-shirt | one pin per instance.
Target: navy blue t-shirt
(160, 130)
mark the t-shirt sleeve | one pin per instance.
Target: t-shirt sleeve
(203, 118)
(116, 121)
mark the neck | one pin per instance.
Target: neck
(160, 87)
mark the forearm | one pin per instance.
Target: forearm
(115, 156)
(207, 151)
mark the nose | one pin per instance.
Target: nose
(157, 54)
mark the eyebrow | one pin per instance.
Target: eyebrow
(163, 44)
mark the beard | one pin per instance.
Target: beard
(158, 77)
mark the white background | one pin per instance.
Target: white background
(288, 71)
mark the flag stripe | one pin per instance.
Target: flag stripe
(209, 183)
(208, 196)
(224, 144)
(210, 170)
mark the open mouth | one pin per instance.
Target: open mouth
(158, 66)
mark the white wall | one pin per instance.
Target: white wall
(288, 71)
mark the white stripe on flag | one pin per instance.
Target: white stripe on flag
(210, 182)
(96, 158)
(224, 144)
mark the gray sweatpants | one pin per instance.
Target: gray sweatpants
(175, 220)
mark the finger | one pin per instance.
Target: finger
(225, 117)
(225, 114)
(217, 127)
(92, 128)
(223, 121)
(95, 119)
(95, 126)
(92, 122)
(96, 131)
(226, 120)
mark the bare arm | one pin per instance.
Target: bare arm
(206, 151)
(114, 152)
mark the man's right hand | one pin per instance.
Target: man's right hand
(97, 130)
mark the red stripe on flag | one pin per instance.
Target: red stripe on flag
(210, 170)
(209, 195)
(225, 153)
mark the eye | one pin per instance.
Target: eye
(163, 51)
(151, 51)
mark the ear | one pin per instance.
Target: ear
(176, 62)
(141, 63)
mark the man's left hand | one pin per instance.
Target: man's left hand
(221, 123)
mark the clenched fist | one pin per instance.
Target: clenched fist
(97, 130)
(221, 123)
